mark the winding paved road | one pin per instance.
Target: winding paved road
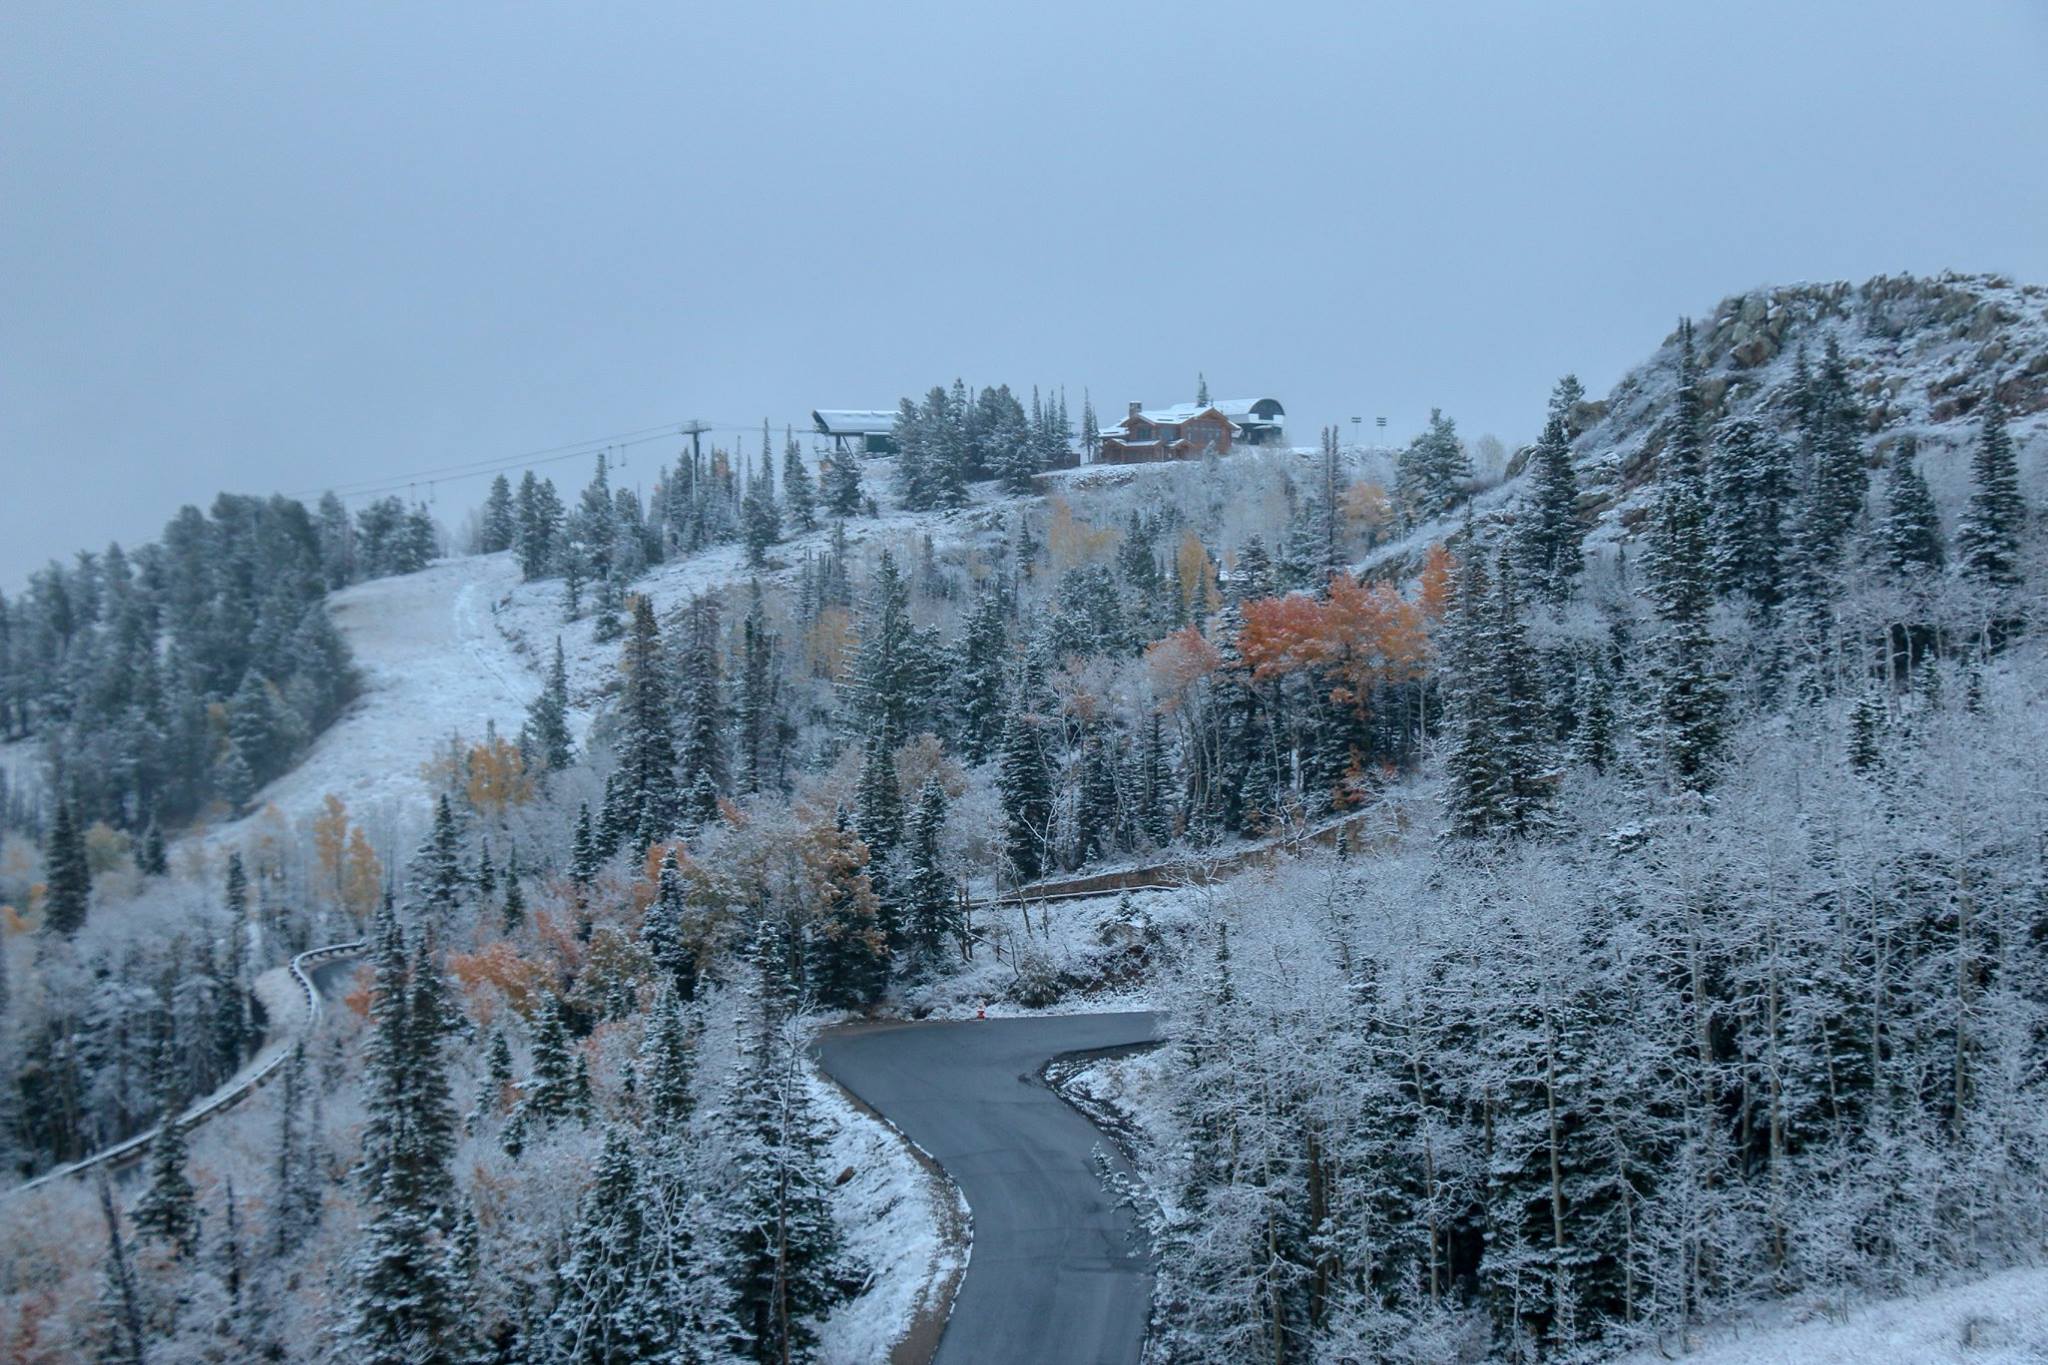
(1055, 1275)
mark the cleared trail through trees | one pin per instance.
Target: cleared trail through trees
(1056, 1272)
(291, 997)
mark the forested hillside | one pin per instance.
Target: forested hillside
(1679, 939)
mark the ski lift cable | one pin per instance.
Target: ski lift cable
(498, 463)
(373, 488)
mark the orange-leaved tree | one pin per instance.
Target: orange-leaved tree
(1177, 663)
(330, 846)
(1363, 634)
(1435, 597)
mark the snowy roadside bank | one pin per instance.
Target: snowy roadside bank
(905, 1220)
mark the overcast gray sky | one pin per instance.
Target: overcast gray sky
(274, 247)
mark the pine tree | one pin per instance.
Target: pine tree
(1254, 577)
(594, 524)
(842, 490)
(664, 934)
(439, 885)
(485, 878)
(1326, 524)
(647, 756)
(230, 1254)
(68, 876)
(760, 724)
(1911, 533)
(606, 627)
(1472, 767)
(546, 736)
(884, 685)
(235, 893)
(1866, 727)
(932, 913)
(575, 570)
(849, 949)
(1750, 488)
(406, 1303)
(585, 856)
(168, 1209)
(605, 1312)
(295, 1200)
(667, 1065)
(1987, 542)
(787, 1261)
(978, 680)
(703, 741)
(1155, 813)
(431, 1020)
(513, 911)
(233, 1030)
(123, 1296)
(1689, 698)
(798, 489)
(234, 779)
(499, 527)
(1838, 478)
(548, 1095)
(537, 527)
(405, 1306)
(1098, 814)
(1433, 470)
(1026, 782)
(760, 518)
(878, 816)
(422, 539)
(1553, 544)
(1592, 739)
(1520, 724)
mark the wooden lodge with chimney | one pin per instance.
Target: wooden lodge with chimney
(1189, 430)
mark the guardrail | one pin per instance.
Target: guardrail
(131, 1148)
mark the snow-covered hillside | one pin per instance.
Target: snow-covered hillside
(1999, 1320)
(1917, 352)
(433, 664)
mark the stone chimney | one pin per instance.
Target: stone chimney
(1135, 406)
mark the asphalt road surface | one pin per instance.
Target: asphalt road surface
(1056, 1276)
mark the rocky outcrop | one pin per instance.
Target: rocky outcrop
(1922, 354)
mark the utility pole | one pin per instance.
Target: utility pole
(695, 431)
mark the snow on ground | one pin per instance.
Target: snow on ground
(433, 664)
(2000, 1320)
(894, 1214)
(1063, 957)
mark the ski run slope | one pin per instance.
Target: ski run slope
(433, 664)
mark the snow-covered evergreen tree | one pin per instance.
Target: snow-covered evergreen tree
(1987, 542)
(1910, 534)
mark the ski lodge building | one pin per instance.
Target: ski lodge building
(1187, 430)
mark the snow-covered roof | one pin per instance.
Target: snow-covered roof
(854, 421)
(1242, 412)
(1179, 412)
